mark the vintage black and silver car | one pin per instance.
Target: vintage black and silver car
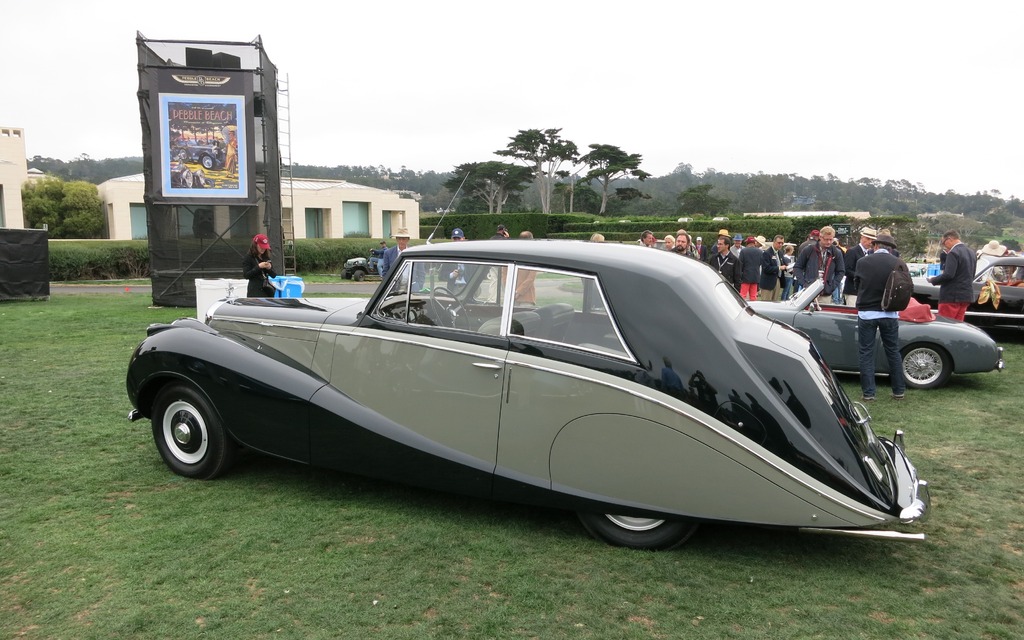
(210, 156)
(627, 384)
(1004, 311)
(933, 348)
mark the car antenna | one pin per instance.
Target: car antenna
(448, 208)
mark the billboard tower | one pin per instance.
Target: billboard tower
(211, 159)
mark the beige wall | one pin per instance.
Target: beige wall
(13, 173)
(118, 194)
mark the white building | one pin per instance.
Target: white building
(320, 209)
(13, 173)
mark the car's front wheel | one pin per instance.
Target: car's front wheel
(189, 435)
(358, 275)
(206, 161)
(926, 366)
(636, 532)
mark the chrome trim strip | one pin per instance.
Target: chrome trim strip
(359, 333)
(866, 533)
(990, 314)
(728, 435)
(264, 323)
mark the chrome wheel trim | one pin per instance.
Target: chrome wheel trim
(185, 432)
(632, 523)
(922, 365)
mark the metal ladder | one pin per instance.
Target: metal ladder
(287, 199)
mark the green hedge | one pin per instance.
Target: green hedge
(98, 259)
(127, 259)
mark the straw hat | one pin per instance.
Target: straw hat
(869, 232)
(760, 240)
(402, 233)
(993, 248)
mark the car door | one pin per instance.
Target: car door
(552, 372)
(428, 375)
(1010, 312)
(835, 335)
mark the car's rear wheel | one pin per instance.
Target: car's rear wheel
(206, 161)
(926, 366)
(189, 435)
(636, 532)
(358, 275)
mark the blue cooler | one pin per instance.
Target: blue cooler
(287, 286)
(933, 270)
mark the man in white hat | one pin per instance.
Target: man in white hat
(391, 255)
(852, 257)
(701, 249)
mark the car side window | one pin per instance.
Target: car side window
(566, 308)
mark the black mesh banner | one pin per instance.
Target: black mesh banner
(24, 264)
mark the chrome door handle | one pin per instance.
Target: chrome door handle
(486, 365)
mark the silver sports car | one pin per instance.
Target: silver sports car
(933, 347)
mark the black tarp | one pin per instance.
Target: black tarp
(201, 236)
(24, 264)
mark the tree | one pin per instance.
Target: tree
(761, 193)
(607, 163)
(544, 152)
(68, 209)
(493, 182)
(698, 200)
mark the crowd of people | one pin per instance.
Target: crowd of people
(776, 270)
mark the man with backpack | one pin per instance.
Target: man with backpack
(873, 274)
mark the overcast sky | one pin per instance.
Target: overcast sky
(930, 92)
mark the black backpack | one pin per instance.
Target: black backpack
(899, 288)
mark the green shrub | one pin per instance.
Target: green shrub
(98, 259)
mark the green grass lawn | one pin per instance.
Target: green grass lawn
(98, 539)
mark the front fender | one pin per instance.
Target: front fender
(260, 395)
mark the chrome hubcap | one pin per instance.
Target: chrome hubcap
(182, 434)
(635, 524)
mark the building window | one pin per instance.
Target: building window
(356, 219)
(314, 223)
(140, 230)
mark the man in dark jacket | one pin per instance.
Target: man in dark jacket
(823, 261)
(871, 275)
(750, 268)
(850, 260)
(773, 265)
(956, 290)
(725, 262)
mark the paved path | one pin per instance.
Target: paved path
(346, 286)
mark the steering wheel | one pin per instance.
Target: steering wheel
(453, 314)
